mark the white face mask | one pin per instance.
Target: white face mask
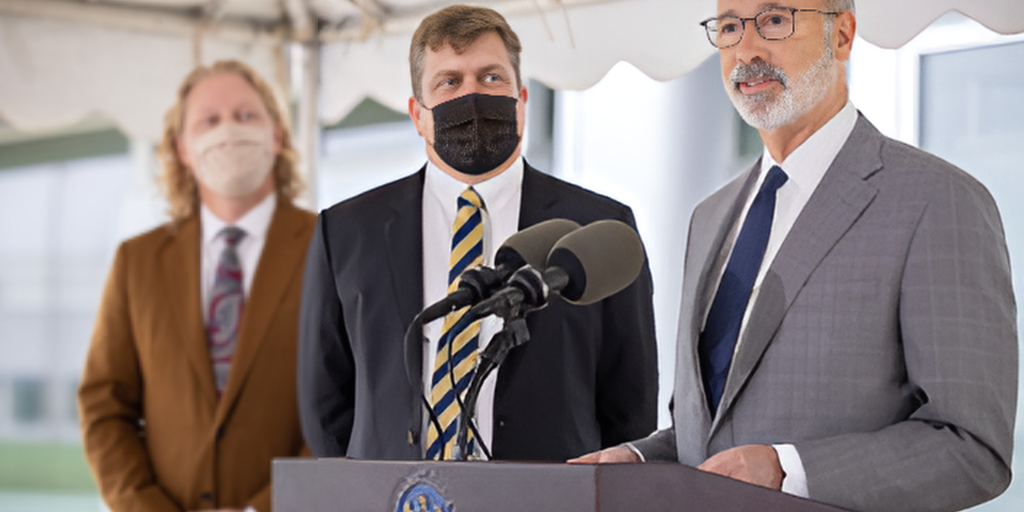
(233, 160)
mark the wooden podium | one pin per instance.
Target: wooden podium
(335, 485)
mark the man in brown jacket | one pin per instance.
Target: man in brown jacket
(189, 391)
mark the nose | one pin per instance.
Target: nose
(751, 46)
(469, 87)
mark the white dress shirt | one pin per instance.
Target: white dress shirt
(805, 167)
(502, 196)
(255, 223)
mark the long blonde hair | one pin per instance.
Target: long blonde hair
(178, 184)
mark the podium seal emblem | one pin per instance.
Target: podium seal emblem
(419, 495)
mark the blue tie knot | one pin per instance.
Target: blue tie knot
(775, 179)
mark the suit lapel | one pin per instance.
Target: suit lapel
(283, 253)
(724, 214)
(693, 418)
(180, 267)
(834, 206)
(535, 200)
(403, 236)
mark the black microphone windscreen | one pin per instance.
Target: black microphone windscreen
(600, 259)
(532, 245)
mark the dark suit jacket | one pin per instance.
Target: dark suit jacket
(156, 436)
(882, 343)
(587, 379)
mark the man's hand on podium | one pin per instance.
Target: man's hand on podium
(756, 464)
(614, 455)
(753, 463)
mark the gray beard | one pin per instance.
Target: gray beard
(769, 110)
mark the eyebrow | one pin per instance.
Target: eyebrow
(247, 104)
(492, 68)
(454, 72)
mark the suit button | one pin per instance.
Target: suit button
(501, 423)
(206, 496)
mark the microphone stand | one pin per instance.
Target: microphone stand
(413, 335)
(513, 334)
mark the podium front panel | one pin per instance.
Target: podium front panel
(334, 485)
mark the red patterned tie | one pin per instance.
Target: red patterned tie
(226, 304)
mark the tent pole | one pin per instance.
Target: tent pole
(308, 136)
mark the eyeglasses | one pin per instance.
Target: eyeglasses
(773, 24)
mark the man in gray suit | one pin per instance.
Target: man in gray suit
(869, 358)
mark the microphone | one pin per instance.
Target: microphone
(527, 247)
(599, 260)
(585, 266)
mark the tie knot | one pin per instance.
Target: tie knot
(775, 179)
(470, 198)
(232, 235)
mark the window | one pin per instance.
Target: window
(29, 402)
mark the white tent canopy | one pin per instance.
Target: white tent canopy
(62, 60)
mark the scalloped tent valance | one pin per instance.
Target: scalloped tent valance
(61, 60)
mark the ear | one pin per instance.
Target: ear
(183, 155)
(521, 110)
(844, 32)
(416, 114)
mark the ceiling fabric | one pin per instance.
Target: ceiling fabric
(61, 60)
(54, 73)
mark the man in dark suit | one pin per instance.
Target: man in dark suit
(586, 379)
(871, 362)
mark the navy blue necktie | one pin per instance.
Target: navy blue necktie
(718, 339)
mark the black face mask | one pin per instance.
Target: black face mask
(476, 133)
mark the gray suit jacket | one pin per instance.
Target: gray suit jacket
(882, 344)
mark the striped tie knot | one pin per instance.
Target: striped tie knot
(467, 236)
(470, 198)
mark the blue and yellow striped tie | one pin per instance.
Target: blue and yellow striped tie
(467, 252)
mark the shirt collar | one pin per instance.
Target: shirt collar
(255, 222)
(496, 192)
(806, 165)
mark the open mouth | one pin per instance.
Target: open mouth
(756, 85)
(757, 77)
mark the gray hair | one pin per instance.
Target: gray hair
(829, 21)
(840, 6)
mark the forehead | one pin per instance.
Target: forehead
(751, 7)
(488, 50)
(222, 88)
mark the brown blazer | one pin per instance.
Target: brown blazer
(156, 436)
